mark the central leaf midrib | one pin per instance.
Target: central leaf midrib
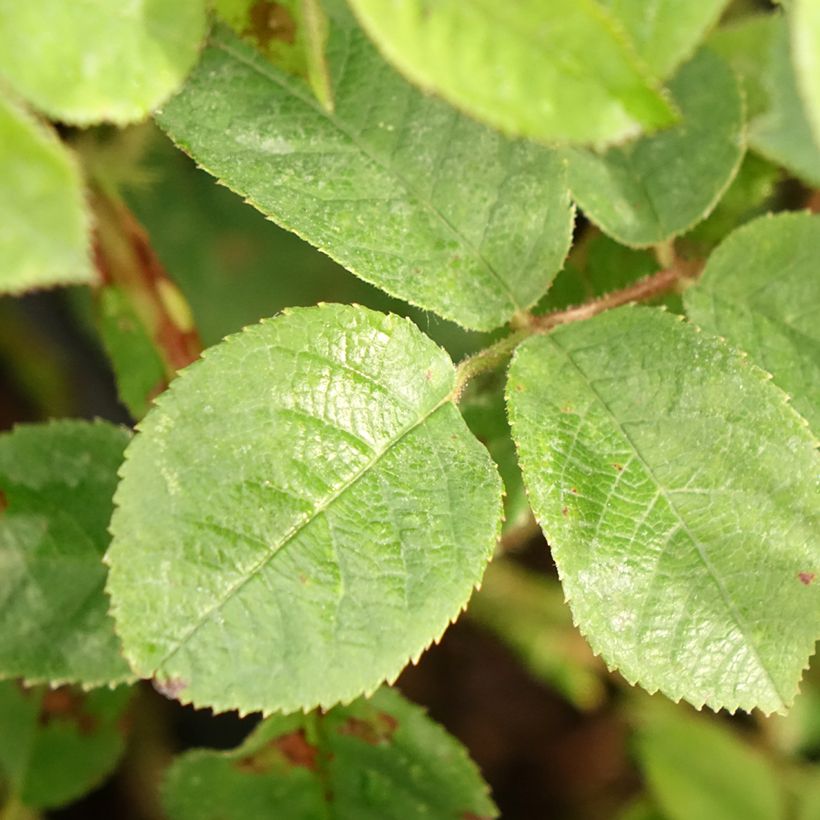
(376, 160)
(297, 528)
(727, 600)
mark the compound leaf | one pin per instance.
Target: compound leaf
(90, 61)
(761, 291)
(302, 512)
(44, 223)
(396, 186)
(666, 32)
(661, 185)
(58, 744)
(559, 70)
(376, 759)
(56, 485)
(698, 768)
(675, 486)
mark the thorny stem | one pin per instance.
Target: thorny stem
(677, 277)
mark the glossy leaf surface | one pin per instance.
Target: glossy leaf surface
(676, 488)
(301, 513)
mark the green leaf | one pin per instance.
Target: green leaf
(301, 513)
(805, 35)
(56, 485)
(676, 489)
(138, 367)
(659, 186)
(527, 612)
(783, 134)
(56, 745)
(292, 34)
(92, 61)
(44, 223)
(406, 193)
(666, 32)
(698, 768)
(375, 759)
(554, 71)
(761, 291)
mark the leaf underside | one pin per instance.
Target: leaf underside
(676, 489)
(301, 513)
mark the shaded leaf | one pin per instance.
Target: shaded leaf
(676, 489)
(58, 744)
(396, 186)
(302, 513)
(44, 223)
(376, 759)
(666, 32)
(760, 290)
(56, 485)
(553, 71)
(696, 767)
(661, 185)
(93, 61)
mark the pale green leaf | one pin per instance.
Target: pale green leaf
(805, 34)
(527, 611)
(291, 33)
(396, 186)
(658, 186)
(761, 290)
(88, 61)
(676, 488)
(552, 70)
(782, 133)
(56, 485)
(666, 32)
(44, 223)
(698, 768)
(302, 513)
(56, 745)
(138, 367)
(377, 759)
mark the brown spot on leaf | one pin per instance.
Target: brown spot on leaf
(566, 409)
(378, 730)
(66, 705)
(564, 511)
(270, 21)
(806, 577)
(4, 502)
(170, 687)
(428, 375)
(519, 388)
(573, 490)
(291, 749)
(618, 467)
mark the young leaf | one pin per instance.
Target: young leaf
(44, 223)
(396, 186)
(675, 487)
(659, 186)
(783, 133)
(56, 485)
(58, 744)
(666, 32)
(761, 291)
(698, 768)
(805, 34)
(87, 62)
(554, 71)
(376, 759)
(302, 513)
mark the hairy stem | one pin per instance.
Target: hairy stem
(678, 276)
